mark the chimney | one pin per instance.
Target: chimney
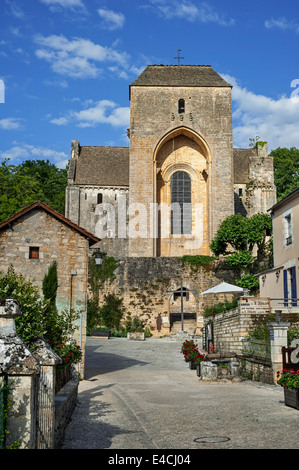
(75, 149)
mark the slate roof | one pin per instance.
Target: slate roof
(101, 166)
(109, 166)
(241, 164)
(42, 206)
(180, 75)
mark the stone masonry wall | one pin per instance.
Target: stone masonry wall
(229, 328)
(56, 241)
(154, 115)
(145, 285)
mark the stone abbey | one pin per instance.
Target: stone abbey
(167, 193)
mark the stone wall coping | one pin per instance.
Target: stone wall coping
(45, 355)
(9, 308)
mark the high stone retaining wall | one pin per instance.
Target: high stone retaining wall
(145, 285)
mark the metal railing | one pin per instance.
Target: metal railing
(256, 348)
(284, 302)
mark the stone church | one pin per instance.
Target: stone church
(166, 194)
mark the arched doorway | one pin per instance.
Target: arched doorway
(182, 193)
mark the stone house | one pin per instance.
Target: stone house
(36, 236)
(281, 283)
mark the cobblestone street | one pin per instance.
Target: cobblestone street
(142, 395)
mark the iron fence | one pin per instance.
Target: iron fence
(256, 348)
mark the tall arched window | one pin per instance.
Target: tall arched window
(181, 216)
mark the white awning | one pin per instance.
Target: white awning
(223, 288)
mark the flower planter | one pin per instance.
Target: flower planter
(136, 335)
(100, 334)
(291, 397)
(192, 365)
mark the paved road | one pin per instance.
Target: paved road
(142, 395)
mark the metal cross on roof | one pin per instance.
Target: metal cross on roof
(179, 57)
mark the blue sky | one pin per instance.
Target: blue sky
(66, 66)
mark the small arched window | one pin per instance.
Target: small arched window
(100, 198)
(181, 214)
(181, 106)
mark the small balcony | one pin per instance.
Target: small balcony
(286, 305)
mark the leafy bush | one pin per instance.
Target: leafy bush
(112, 311)
(221, 307)
(135, 324)
(288, 379)
(293, 333)
(248, 281)
(30, 325)
(198, 260)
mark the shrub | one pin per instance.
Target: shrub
(221, 307)
(288, 379)
(30, 325)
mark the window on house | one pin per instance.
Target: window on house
(181, 216)
(181, 106)
(33, 252)
(290, 287)
(288, 229)
(240, 192)
(100, 198)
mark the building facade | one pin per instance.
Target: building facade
(167, 193)
(281, 283)
(35, 237)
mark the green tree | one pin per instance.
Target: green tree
(17, 189)
(242, 234)
(50, 284)
(52, 181)
(236, 237)
(286, 170)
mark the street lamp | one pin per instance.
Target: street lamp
(98, 259)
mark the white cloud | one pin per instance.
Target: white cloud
(64, 3)
(274, 120)
(111, 19)
(283, 24)
(101, 112)
(16, 10)
(10, 124)
(187, 10)
(79, 57)
(21, 152)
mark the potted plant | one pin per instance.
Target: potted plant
(224, 368)
(198, 360)
(135, 329)
(289, 380)
(191, 355)
(187, 346)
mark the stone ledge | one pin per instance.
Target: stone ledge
(65, 403)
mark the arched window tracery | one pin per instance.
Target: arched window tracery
(181, 214)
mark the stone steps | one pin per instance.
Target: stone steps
(189, 326)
